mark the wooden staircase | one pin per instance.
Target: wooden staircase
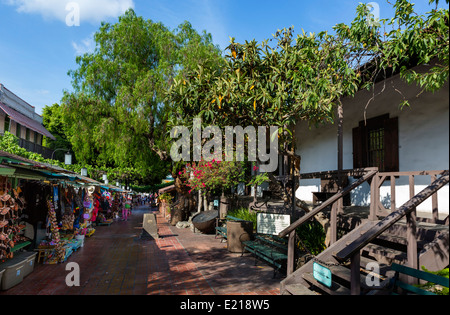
(360, 261)
(433, 247)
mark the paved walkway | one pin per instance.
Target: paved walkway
(117, 261)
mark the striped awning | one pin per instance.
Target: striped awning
(25, 121)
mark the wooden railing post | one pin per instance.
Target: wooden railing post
(355, 284)
(411, 232)
(291, 253)
(434, 203)
(333, 223)
(393, 206)
(374, 198)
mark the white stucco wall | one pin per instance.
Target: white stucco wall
(423, 140)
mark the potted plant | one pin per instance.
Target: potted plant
(165, 201)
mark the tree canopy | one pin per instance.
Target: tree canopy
(116, 115)
(143, 79)
(305, 77)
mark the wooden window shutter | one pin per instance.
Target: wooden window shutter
(359, 147)
(391, 158)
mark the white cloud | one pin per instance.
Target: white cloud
(42, 92)
(87, 45)
(93, 11)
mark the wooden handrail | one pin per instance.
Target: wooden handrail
(354, 247)
(328, 202)
(355, 172)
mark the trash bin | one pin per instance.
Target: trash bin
(28, 258)
(1, 275)
(238, 232)
(13, 273)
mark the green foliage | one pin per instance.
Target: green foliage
(212, 176)
(312, 237)
(53, 122)
(149, 188)
(143, 79)
(244, 214)
(258, 179)
(431, 286)
(166, 197)
(10, 143)
(305, 77)
(116, 114)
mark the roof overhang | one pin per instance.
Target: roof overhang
(25, 121)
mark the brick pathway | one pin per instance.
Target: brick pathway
(116, 261)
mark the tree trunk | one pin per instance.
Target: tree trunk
(205, 202)
(200, 201)
(183, 205)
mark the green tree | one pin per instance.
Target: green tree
(53, 122)
(117, 114)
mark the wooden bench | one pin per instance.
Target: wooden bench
(406, 288)
(222, 230)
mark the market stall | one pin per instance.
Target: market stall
(46, 212)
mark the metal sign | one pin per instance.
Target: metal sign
(322, 274)
(272, 223)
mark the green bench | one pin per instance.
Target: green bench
(222, 230)
(406, 288)
(266, 245)
(269, 248)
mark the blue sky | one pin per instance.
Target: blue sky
(37, 47)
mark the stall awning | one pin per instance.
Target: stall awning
(6, 170)
(24, 173)
(25, 121)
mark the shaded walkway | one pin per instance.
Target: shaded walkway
(116, 261)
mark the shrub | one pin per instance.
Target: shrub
(244, 214)
(312, 237)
